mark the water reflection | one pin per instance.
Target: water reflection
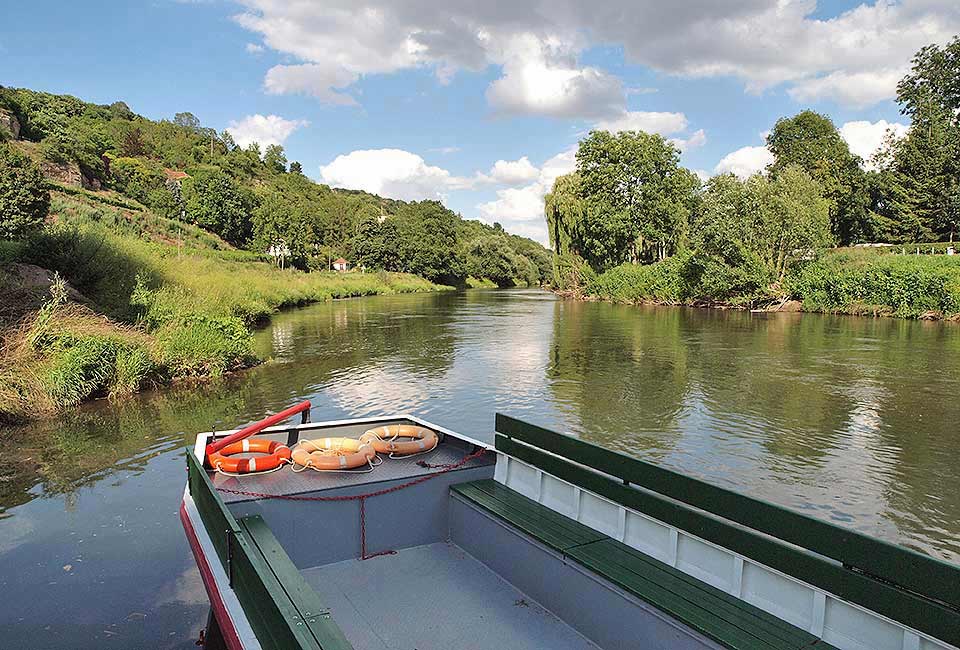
(854, 420)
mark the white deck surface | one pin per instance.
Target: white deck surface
(435, 597)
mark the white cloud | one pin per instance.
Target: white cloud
(309, 79)
(263, 129)
(254, 48)
(697, 139)
(855, 89)
(444, 150)
(510, 172)
(651, 122)
(852, 58)
(520, 209)
(866, 138)
(744, 161)
(541, 77)
(394, 173)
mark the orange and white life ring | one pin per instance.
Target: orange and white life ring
(333, 453)
(224, 461)
(385, 439)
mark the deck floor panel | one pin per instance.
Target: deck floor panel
(436, 597)
(287, 482)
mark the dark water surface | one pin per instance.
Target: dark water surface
(847, 419)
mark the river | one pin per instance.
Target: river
(849, 419)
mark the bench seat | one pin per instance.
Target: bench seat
(716, 614)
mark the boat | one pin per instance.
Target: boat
(540, 540)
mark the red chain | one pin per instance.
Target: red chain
(363, 497)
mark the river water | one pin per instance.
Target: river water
(848, 419)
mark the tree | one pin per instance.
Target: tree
(637, 197)
(296, 168)
(755, 228)
(215, 202)
(274, 159)
(921, 177)
(187, 121)
(811, 141)
(564, 211)
(428, 235)
(279, 220)
(24, 199)
(492, 257)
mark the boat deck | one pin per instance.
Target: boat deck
(287, 482)
(435, 597)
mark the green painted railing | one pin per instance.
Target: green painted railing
(281, 608)
(914, 589)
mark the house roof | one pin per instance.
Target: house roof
(175, 175)
(339, 260)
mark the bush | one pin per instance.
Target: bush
(900, 285)
(24, 199)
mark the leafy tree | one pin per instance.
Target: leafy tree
(296, 168)
(215, 202)
(274, 159)
(921, 175)
(755, 228)
(24, 199)
(187, 121)
(811, 141)
(280, 221)
(377, 244)
(637, 198)
(492, 257)
(428, 235)
(564, 211)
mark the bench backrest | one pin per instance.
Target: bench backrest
(915, 589)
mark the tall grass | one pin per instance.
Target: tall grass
(174, 311)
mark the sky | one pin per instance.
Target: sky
(481, 104)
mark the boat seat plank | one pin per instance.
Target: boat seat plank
(303, 601)
(551, 528)
(688, 598)
(712, 612)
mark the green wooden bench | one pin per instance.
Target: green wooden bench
(714, 613)
(297, 602)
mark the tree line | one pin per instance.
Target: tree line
(630, 200)
(252, 197)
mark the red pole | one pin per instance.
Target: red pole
(257, 426)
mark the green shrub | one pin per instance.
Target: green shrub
(206, 346)
(24, 199)
(901, 285)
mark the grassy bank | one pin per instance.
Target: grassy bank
(846, 281)
(145, 311)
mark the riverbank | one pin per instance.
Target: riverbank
(94, 312)
(844, 281)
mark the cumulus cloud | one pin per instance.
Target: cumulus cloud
(394, 173)
(866, 138)
(263, 129)
(254, 48)
(520, 209)
(651, 122)
(697, 139)
(744, 161)
(510, 172)
(541, 77)
(854, 58)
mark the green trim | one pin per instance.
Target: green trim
(913, 610)
(712, 612)
(273, 594)
(294, 611)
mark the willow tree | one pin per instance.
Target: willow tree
(563, 208)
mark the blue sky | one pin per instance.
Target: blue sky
(481, 104)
